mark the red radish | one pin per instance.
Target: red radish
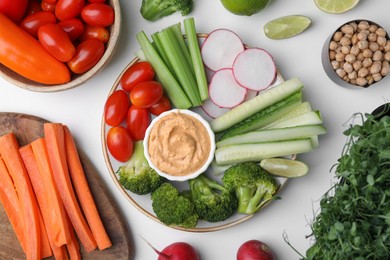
(224, 90)
(254, 69)
(212, 110)
(220, 48)
(251, 94)
(176, 251)
(255, 250)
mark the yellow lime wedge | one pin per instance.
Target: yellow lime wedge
(286, 26)
(284, 167)
(336, 6)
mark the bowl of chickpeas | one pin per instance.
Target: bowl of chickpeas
(357, 54)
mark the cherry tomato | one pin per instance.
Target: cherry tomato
(68, 9)
(50, 1)
(116, 107)
(136, 73)
(161, 106)
(56, 42)
(32, 22)
(98, 14)
(73, 27)
(88, 53)
(146, 94)
(13, 9)
(34, 6)
(138, 119)
(100, 33)
(96, 1)
(119, 143)
(48, 7)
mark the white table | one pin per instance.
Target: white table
(81, 109)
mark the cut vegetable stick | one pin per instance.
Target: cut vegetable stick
(9, 200)
(60, 253)
(45, 243)
(55, 142)
(73, 246)
(84, 194)
(58, 227)
(9, 151)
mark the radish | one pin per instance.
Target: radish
(220, 48)
(254, 69)
(212, 110)
(176, 251)
(255, 250)
(224, 90)
(251, 94)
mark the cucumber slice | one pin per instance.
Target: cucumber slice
(255, 152)
(303, 108)
(311, 118)
(251, 107)
(271, 135)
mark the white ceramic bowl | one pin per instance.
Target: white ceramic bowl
(191, 175)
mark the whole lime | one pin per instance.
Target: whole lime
(244, 7)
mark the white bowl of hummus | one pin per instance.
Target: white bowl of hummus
(179, 144)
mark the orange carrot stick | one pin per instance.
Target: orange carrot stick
(45, 243)
(59, 227)
(55, 142)
(73, 246)
(10, 201)
(84, 194)
(9, 151)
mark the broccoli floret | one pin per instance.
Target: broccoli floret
(153, 10)
(213, 202)
(172, 208)
(253, 186)
(137, 176)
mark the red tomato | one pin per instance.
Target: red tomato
(48, 7)
(116, 107)
(138, 119)
(100, 33)
(34, 6)
(32, 22)
(13, 9)
(119, 143)
(161, 106)
(73, 27)
(96, 1)
(68, 9)
(88, 53)
(136, 73)
(50, 1)
(146, 94)
(98, 14)
(56, 42)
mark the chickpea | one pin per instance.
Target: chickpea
(376, 77)
(350, 58)
(377, 56)
(353, 81)
(345, 41)
(375, 67)
(362, 36)
(367, 53)
(332, 55)
(335, 64)
(361, 81)
(381, 41)
(348, 67)
(385, 70)
(354, 50)
(363, 72)
(362, 44)
(363, 25)
(340, 56)
(341, 73)
(373, 46)
(367, 62)
(372, 37)
(369, 79)
(354, 26)
(373, 28)
(347, 29)
(352, 75)
(354, 39)
(337, 36)
(381, 32)
(387, 46)
(333, 45)
(357, 65)
(360, 56)
(345, 49)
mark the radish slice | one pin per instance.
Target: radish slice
(220, 48)
(212, 110)
(254, 69)
(251, 94)
(224, 90)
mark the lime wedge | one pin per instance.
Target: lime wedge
(284, 167)
(286, 26)
(336, 6)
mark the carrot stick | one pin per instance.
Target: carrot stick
(56, 218)
(60, 253)
(9, 199)
(73, 246)
(45, 243)
(84, 194)
(55, 142)
(9, 151)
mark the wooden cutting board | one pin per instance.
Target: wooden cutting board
(28, 128)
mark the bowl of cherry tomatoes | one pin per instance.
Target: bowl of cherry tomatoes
(56, 45)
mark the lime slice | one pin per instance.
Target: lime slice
(286, 26)
(284, 167)
(336, 6)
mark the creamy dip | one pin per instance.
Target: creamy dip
(179, 144)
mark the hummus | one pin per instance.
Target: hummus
(179, 144)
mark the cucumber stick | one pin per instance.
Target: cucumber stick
(255, 152)
(272, 135)
(310, 118)
(265, 116)
(303, 108)
(256, 104)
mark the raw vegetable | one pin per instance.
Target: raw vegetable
(178, 251)
(83, 192)
(88, 53)
(310, 118)
(224, 90)
(303, 108)
(136, 73)
(244, 7)
(137, 176)
(252, 185)
(212, 110)
(213, 202)
(283, 167)
(257, 151)
(145, 94)
(116, 108)
(120, 143)
(263, 100)
(32, 22)
(153, 10)
(255, 249)
(254, 69)
(37, 65)
(220, 49)
(66, 9)
(97, 32)
(75, 28)
(98, 14)
(161, 106)
(137, 121)
(13, 9)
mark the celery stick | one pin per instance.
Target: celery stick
(168, 81)
(196, 57)
(180, 66)
(160, 50)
